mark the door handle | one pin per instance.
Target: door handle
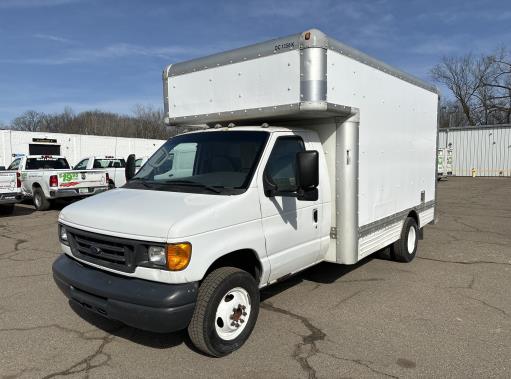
(315, 215)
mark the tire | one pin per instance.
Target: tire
(216, 327)
(111, 184)
(6, 209)
(405, 248)
(41, 203)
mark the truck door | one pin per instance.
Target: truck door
(290, 226)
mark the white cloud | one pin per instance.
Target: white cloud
(114, 51)
(34, 3)
(51, 37)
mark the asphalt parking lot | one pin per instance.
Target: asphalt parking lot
(448, 313)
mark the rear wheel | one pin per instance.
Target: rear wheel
(7, 209)
(404, 249)
(41, 203)
(226, 311)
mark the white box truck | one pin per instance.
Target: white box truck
(302, 164)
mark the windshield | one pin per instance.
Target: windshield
(46, 163)
(210, 162)
(109, 163)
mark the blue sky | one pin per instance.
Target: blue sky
(108, 54)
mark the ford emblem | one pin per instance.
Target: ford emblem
(95, 250)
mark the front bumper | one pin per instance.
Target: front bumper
(74, 192)
(143, 304)
(10, 198)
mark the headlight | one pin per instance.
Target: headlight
(178, 256)
(157, 255)
(63, 235)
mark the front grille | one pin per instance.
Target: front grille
(112, 252)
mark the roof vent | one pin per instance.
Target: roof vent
(264, 125)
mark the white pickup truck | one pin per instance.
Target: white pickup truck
(10, 191)
(251, 205)
(45, 178)
(113, 166)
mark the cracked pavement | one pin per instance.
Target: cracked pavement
(448, 313)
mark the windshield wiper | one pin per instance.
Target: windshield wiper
(186, 183)
(141, 181)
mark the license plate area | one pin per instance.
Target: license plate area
(83, 190)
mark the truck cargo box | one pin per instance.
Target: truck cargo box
(377, 125)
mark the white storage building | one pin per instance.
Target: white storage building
(72, 146)
(479, 150)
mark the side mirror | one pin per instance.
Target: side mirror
(129, 171)
(307, 174)
(307, 169)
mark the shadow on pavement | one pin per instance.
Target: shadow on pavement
(141, 337)
(323, 273)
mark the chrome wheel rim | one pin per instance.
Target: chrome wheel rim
(412, 234)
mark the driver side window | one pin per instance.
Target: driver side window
(82, 165)
(281, 166)
(14, 165)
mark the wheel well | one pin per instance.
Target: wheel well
(413, 214)
(245, 259)
(36, 185)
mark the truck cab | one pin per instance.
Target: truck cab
(112, 165)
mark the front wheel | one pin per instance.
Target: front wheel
(226, 311)
(405, 248)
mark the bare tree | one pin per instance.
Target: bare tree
(146, 122)
(461, 75)
(498, 82)
(30, 121)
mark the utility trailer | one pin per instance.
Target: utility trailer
(302, 163)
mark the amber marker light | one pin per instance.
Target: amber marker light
(178, 256)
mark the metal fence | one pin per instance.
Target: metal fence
(479, 150)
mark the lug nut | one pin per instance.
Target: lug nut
(233, 323)
(244, 313)
(242, 321)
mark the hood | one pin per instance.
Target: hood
(160, 215)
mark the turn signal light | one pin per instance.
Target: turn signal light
(18, 180)
(178, 256)
(54, 181)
